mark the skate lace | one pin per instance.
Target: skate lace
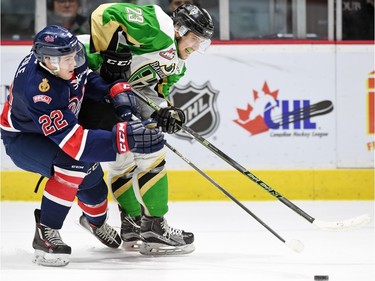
(106, 232)
(169, 231)
(53, 236)
(131, 221)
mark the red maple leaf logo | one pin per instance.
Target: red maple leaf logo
(251, 118)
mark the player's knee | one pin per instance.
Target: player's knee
(94, 195)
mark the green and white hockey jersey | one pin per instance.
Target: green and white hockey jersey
(149, 33)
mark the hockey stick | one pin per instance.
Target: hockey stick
(293, 244)
(348, 224)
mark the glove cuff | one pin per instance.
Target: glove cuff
(119, 88)
(121, 137)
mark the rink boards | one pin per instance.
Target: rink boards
(237, 92)
(191, 186)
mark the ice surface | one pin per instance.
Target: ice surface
(230, 245)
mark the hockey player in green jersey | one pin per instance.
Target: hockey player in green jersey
(148, 48)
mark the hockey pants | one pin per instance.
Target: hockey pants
(67, 179)
(139, 183)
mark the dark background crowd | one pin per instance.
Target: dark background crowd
(247, 19)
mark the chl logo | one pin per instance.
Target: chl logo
(265, 111)
(199, 106)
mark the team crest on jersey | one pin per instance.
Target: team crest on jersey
(44, 86)
(169, 55)
(199, 106)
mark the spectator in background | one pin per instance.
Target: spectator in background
(358, 20)
(65, 13)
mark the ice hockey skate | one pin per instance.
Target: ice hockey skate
(50, 250)
(130, 227)
(104, 233)
(160, 239)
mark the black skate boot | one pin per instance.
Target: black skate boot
(50, 250)
(130, 227)
(160, 239)
(104, 233)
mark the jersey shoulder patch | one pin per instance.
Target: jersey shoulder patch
(44, 86)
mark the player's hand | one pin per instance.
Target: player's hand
(123, 100)
(136, 137)
(115, 65)
(169, 119)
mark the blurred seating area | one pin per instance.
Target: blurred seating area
(233, 19)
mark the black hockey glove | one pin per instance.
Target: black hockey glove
(170, 119)
(115, 65)
(123, 100)
(135, 136)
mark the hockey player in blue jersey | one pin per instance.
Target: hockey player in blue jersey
(41, 134)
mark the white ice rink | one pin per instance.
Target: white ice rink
(230, 245)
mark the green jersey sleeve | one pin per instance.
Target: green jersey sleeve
(143, 28)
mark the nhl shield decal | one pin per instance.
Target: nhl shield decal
(199, 106)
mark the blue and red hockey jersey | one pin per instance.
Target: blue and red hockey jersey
(40, 102)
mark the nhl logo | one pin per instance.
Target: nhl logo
(199, 106)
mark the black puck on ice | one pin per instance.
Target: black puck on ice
(321, 277)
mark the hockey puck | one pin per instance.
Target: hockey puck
(321, 277)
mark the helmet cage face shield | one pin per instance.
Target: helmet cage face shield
(75, 59)
(67, 61)
(200, 43)
(189, 17)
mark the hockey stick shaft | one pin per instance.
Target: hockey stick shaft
(224, 191)
(232, 162)
(351, 223)
(290, 245)
(294, 245)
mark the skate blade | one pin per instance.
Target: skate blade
(114, 244)
(131, 246)
(156, 249)
(47, 259)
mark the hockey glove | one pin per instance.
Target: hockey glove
(115, 65)
(123, 100)
(135, 137)
(170, 119)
